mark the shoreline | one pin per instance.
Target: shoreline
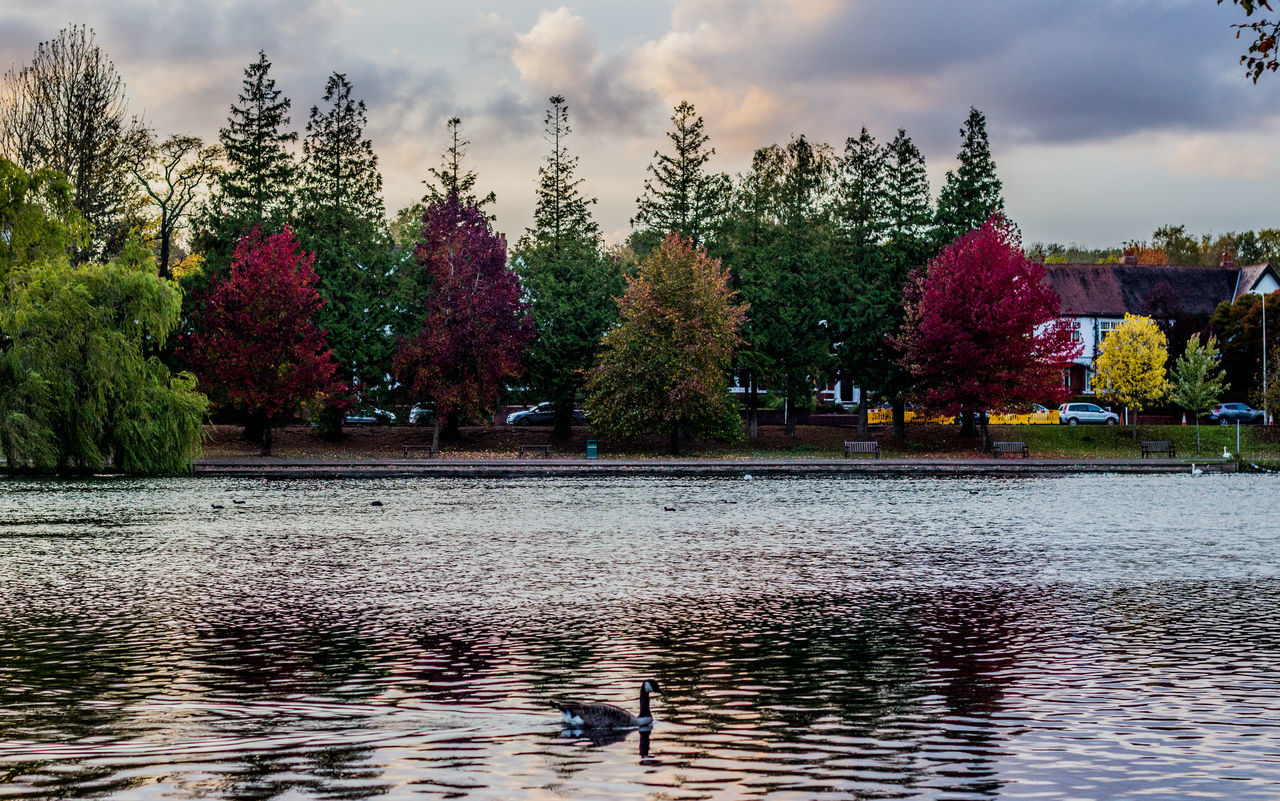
(270, 467)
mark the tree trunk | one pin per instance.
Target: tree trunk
(863, 409)
(966, 424)
(435, 433)
(1135, 424)
(562, 430)
(1197, 435)
(452, 427)
(753, 408)
(266, 437)
(900, 418)
(675, 439)
(982, 416)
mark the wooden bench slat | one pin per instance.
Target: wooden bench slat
(851, 448)
(1015, 448)
(545, 450)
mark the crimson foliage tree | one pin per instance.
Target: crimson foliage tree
(473, 325)
(981, 329)
(260, 351)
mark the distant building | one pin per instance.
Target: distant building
(1096, 297)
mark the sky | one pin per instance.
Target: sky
(1107, 118)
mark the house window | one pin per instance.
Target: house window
(1074, 325)
(1106, 327)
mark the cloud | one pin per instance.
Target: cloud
(560, 55)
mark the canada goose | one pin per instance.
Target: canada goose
(607, 716)
(375, 503)
(236, 502)
(217, 506)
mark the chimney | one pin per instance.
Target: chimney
(1130, 258)
(1227, 259)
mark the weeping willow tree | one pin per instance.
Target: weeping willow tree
(80, 383)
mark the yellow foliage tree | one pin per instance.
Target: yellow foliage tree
(1131, 365)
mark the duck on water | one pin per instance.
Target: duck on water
(582, 715)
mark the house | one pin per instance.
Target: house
(1096, 297)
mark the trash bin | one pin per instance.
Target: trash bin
(591, 449)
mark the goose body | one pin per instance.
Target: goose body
(580, 715)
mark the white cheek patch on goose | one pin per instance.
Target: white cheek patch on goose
(572, 719)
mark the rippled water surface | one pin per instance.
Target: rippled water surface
(1071, 637)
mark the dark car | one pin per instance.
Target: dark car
(544, 414)
(1227, 413)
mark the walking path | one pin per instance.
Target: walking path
(674, 466)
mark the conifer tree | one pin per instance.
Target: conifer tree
(863, 312)
(971, 194)
(681, 196)
(568, 283)
(783, 259)
(449, 178)
(343, 222)
(256, 190)
(260, 180)
(907, 246)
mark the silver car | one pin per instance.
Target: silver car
(1074, 414)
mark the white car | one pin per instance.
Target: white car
(1074, 414)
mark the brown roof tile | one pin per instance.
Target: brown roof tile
(1112, 290)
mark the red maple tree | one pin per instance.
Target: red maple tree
(260, 350)
(474, 327)
(982, 330)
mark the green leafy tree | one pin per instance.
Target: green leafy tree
(343, 221)
(908, 245)
(970, 194)
(860, 216)
(664, 367)
(784, 263)
(1197, 379)
(568, 283)
(1131, 365)
(38, 217)
(258, 187)
(1178, 246)
(1238, 328)
(173, 173)
(66, 111)
(681, 195)
(78, 386)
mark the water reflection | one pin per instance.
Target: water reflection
(814, 639)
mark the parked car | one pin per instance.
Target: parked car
(1073, 414)
(1227, 413)
(544, 414)
(369, 415)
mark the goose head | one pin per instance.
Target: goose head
(651, 686)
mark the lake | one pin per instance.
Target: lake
(1067, 637)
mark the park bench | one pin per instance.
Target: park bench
(1158, 446)
(430, 449)
(998, 448)
(850, 448)
(545, 450)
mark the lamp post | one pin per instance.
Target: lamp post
(1266, 407)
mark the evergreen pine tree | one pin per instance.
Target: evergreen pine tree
(258, 185)
(681, 196)
(907, 245)
(343, 221)
(568, 283)
(860, 214)
(450, 180)
(971, 194)
(256, 190)
(784, 267)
